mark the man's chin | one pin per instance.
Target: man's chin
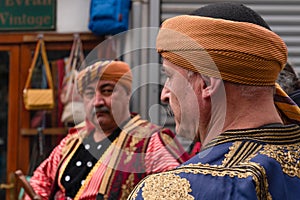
(98, 120)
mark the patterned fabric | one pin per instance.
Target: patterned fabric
(140, 155)
(260, 163)
(295, 96)
(289, 110)
(116, 71)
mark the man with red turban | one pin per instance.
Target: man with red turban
(108, 154)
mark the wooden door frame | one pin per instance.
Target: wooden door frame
(21, 46)
(13, 105)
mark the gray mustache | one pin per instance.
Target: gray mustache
(101, 109)
(170, 112)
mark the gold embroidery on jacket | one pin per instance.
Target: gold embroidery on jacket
(238, 161)
(287, 156)
(237, 164)
(128, 186)
(166, 186)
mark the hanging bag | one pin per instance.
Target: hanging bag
(73, 105)
(109, 17)
(39, 99)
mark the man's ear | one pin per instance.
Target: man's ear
(214, 87)
(209, 86)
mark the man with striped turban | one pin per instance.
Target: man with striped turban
(108, 154)
(221, 63)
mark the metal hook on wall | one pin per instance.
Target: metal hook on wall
(40, 36)
(76, 35)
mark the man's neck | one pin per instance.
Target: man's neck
(252, 116)
(104, 132)
(100, 135)
(242, 115)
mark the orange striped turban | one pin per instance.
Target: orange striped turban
(238, 52)
(117, 71)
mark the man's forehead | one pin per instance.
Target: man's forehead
(106, 82)
(167, 65)
(101, 83)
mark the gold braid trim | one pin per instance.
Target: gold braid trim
(66, 161)
(278, 136)
(80, 135)
(239, 155)
(235, 155)
(68, 151)
(260, 178)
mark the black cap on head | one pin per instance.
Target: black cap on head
(231, 11)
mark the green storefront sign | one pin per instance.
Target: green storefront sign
(16, 15)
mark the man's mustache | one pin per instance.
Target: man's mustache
(169, 110)
(102, 109)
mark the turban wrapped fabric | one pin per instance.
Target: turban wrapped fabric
(116, 71)
(238, 52)
(289, 110)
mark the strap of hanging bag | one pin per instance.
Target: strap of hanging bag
(33, 63)
(39, 47)
(72, 64)
(47, 66)
(81, 54)
(71, 57)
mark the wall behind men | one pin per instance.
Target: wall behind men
(72, 16)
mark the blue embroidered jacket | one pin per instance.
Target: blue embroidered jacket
(261, 163)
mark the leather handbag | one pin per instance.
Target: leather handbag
(39, 98)
(73, 111)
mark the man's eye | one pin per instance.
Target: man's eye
(107, 92)
(89, 94)
(167, 73)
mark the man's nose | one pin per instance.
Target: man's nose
(98, 99)
(165, 95)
